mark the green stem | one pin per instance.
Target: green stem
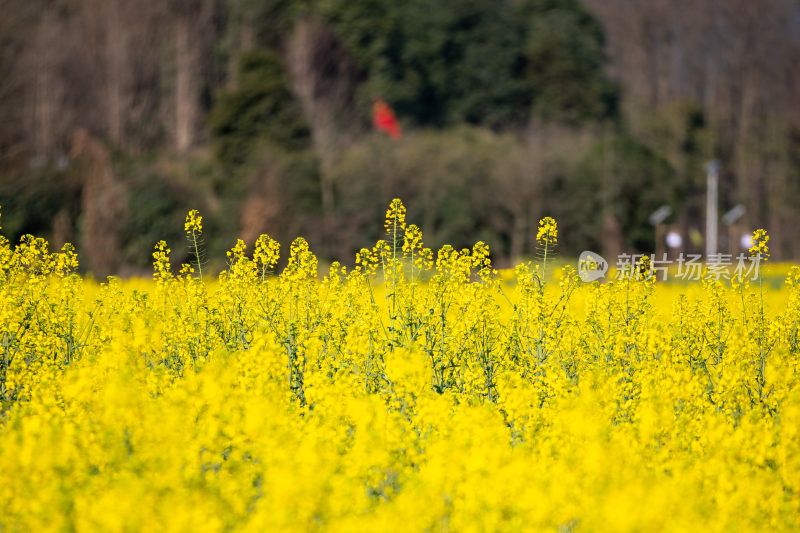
(197, 254)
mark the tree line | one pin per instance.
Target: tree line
(116, 118)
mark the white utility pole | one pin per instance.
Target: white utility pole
(712, 170)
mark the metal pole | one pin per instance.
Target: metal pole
(712, 170)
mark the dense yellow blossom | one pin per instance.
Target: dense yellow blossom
(759, 246)
(406, 394)
(194, 222)
(548, 231)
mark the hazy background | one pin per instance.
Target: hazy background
(117, 117)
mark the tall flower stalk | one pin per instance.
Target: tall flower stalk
(194, 232)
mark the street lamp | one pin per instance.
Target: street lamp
(730, 219)
(656, 220)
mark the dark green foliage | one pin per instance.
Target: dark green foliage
(157, 211)
(302, 183)
(483, 62)
(30, 202)
(260, 107)
(565, 61)
(624, 179)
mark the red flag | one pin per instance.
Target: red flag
(384, 120)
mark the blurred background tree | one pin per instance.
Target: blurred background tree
(257, 112)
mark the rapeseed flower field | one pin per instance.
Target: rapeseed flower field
(417, 391)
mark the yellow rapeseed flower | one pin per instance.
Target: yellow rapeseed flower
(395, 217)
(548, 231)
(760, 249)
(359, 402)
(194, 222)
